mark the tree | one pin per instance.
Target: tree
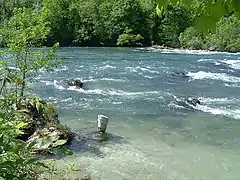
(25, 31)
(174, 21)
(227, 35)
(115, 16)
(209, 12)
(84, 20)
(191, 39)
(56, 12)
(128, 38)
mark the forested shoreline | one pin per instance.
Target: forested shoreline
(29, 125)
(126, 23)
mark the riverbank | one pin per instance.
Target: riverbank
(211, 49)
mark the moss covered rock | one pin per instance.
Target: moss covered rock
(43, 128)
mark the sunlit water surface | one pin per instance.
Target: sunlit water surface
(151, 134)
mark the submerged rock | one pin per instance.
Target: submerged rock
(180, 74)
(75, 82)
(101, 137)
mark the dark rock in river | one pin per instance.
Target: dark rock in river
(193, 101)
(180, 74)
(75, 82)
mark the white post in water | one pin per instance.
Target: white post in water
(102, 123)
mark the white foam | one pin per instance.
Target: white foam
(55, 83)
(185, 51)
(106, 67)
(173, 105)
(63, 68)
(103, 79)
(232, 85)
(111, 79)
(106, 92)
(47, 82)
(220, 111)
(181, 51)
(131, 69)
(205, 60)
(235, 64)
(225, 100)
(66, 100)
(90, 80)
(117, 103)
(141, 69)
(148, 77)
(215, 76)
(123, 93)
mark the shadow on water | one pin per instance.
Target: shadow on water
(92, 142)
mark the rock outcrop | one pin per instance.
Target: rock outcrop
(43, 128)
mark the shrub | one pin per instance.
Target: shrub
(128, 38)
(191, 39)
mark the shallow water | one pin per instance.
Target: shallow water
(151, 135)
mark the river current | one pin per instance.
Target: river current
(152, 133)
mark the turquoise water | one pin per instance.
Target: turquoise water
(152, 133)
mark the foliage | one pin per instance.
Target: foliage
(128, 39)
(24, 31)
(191, 39)
(115, 16)
(63, 173)
(16, 160)
(84, 20)
(209, 12)
(227, 36)
(56, 13)
(103, 22)
(174, 21)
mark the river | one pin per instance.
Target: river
(152, 134)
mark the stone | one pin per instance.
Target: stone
(75, 82)
(102, 123)
(47, 137)
(193, 101)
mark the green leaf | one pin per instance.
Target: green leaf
(236, 5)
(187, 2)
(1, 178)
(46, 142)
(1, 138)
(32, 161)
(60, 151)
(59, 143)
(163, 3)
(206, 24)
(237, 14)
(159, 10)
(20, 125)
(42, 165)
(215, 10)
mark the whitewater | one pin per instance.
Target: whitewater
(152, 133)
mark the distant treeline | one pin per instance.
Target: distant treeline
(125, 23)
